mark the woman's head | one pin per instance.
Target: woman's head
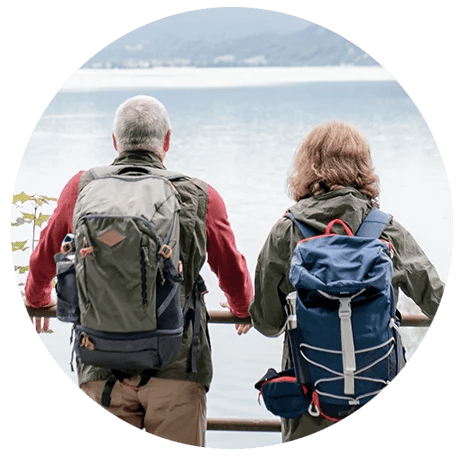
(333, 155)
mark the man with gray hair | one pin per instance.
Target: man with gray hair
(142, 122)
(171, 403)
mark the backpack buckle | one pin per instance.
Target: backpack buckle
(345, 310)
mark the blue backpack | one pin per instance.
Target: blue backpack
(343, 325)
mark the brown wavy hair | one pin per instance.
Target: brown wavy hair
(333, 155)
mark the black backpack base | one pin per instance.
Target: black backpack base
(137, 352)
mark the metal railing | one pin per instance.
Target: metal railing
(226, 317)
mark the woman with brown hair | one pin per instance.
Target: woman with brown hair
(333, 178)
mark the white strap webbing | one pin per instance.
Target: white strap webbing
(347, 344)
(347, 340)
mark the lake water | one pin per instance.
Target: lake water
(239, 130)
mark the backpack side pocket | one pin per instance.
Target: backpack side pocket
(67, 306)
(283, 395)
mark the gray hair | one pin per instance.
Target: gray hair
(141, 122)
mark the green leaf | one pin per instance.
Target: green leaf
(47, 200)
(21, 269)
(42, 199)
(22, 197)
(19, 246)
(38, 200)
(29, 216)
(41, 219)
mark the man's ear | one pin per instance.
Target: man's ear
(114, 142)
(166, 145)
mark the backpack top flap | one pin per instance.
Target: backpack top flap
(340, 264)
(127, 191)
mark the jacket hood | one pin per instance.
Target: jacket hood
(347, 204)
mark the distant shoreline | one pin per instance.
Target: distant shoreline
(212, 77)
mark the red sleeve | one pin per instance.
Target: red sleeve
(224, 258)
(42, 268)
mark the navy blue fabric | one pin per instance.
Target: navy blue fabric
(374, 224)
(344, 265)
(283, 394)
(340, 264)
(306, 231)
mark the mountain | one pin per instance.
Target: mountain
(230, 37)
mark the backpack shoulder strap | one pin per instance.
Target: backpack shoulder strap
(374, 224)
(305, 230)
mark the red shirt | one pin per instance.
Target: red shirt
(223, 256)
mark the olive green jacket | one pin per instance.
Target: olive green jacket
(193, 245)
(413, 272)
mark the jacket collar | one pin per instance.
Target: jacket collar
(139, 157)
(347, 204)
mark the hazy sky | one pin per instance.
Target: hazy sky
(229, 22)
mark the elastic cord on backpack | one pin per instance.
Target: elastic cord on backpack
(315, 409)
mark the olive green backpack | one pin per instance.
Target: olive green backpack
(128, 269)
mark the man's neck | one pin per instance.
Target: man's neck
(139, 157)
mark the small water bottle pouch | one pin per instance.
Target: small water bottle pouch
(67, 306)
(283, 395)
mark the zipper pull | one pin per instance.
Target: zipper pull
(86, 250)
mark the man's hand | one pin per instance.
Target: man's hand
(241, 329)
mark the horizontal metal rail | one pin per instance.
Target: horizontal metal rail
(226, 317)
(244, 425)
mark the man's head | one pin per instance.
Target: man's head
(142, 123)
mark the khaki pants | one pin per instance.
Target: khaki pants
(169, 408)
